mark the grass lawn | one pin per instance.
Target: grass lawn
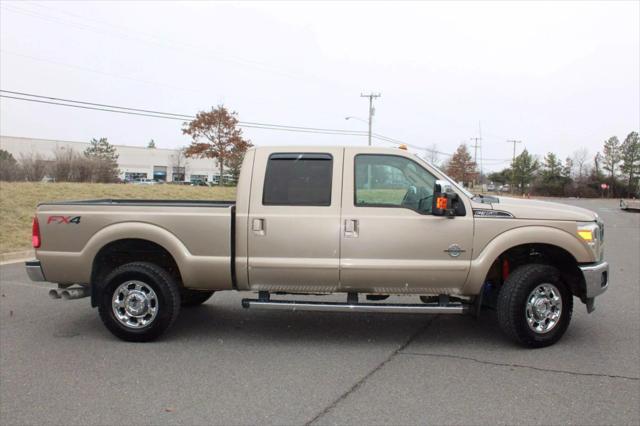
(18, 201)
(382, 196)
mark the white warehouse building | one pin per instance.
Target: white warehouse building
(134, 162)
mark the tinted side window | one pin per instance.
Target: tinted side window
(298, 180)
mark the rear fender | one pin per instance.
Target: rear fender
(205, 272)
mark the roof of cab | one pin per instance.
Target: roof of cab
(319, 148)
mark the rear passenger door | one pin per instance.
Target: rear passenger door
(294, 220)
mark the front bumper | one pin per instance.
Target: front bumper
(34, 270)
(596, 280)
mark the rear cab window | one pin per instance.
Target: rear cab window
(298, 179)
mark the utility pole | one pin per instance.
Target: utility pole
(475, 147)
(372, 111)
(513, 162)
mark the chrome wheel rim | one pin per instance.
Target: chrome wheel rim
(544, 308)
(135, 304)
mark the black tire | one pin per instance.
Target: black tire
(512, 303)
(195, 297)
(167, 300)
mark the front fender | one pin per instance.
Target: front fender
(514, 237)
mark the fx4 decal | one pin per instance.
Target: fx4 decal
(64, 219)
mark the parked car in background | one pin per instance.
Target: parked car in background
(630, 204)
(505, 188)
(144, 182)
(228, 180)
(491, 187)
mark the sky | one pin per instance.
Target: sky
(559, 76)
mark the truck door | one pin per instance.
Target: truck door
(388, 243)
(294, 220)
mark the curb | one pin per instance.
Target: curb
(16, 256)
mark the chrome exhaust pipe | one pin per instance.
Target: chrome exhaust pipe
(54, 293)
(75, 293)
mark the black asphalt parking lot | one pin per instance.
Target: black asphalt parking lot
(221, 364)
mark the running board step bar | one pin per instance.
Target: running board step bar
(425, 308)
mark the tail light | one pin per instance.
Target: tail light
(35, 233)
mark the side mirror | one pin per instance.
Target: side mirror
(444, 202)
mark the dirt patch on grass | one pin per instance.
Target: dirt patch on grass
(18, 202)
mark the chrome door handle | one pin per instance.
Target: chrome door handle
(351, 228)
(257, 226)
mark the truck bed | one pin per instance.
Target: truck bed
(196, 233)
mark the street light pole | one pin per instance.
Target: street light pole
(371, 96)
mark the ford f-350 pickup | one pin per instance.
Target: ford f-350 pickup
(366, 222)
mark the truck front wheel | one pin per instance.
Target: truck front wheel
(138, 301)
(535, 306)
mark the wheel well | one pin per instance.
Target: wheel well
(119, 252)
(539, 253)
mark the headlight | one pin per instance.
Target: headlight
(590, 232)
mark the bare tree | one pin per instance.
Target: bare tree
(62, 166)
(34, 167)
(71, 166)
(432, 154)
(580, 158)
(179, 162)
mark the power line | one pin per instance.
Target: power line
(171, 116)
(87, 107)
(95, 106)
(50, 100)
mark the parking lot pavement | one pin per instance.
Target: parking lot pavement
(221, 364)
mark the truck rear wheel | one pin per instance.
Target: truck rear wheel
(139, 301)
(535, 306)
(195, 297)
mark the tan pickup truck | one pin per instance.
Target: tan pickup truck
(365, 222)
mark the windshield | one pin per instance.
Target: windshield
(453, 182)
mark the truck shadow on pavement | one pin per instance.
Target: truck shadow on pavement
(222, 322)
(213, 323)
